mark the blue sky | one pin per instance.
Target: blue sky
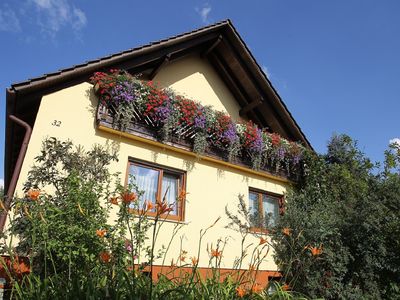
(336, 64)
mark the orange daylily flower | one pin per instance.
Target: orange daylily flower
(182, 195)
(316, 251)
(33, 194)
(105, 257)
(286, 231)
(149, 205)
(182, 257)
(216, 253)
(194, 260)
(19, 265)
(285, 287)
(164, 207)
(101, 232)
(256, 288)
(128, 197)
(114, 200)
(240, 292)
(262, 241)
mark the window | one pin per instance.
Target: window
(157, 184)
(273, 282)
(264, 208)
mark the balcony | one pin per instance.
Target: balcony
(141, 109)
(183, 136)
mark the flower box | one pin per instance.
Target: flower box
(140, 108)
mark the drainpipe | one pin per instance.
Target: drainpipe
(17, 169)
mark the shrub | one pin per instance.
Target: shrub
(344, 219)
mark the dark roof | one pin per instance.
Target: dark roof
(220, 43)
(110, 60)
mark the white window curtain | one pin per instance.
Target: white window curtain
(171, 183)
(253, 203)
(271, 209)
(147, 181)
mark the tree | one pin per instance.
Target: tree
(63, 207)
(344, 221)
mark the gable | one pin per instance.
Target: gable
(195, 78)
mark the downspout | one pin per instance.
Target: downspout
(17, 169)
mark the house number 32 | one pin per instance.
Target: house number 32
(56, 123)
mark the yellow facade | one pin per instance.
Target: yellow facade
(211, 186)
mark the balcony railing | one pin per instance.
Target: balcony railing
(182, 136)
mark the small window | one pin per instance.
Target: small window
(264, 208)
(158, 184)
(273, 283)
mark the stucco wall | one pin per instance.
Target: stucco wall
(195, 78)
(210, 186)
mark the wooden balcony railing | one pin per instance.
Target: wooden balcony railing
(182, 136)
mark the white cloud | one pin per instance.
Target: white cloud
(79, 19)
(395, 141)
(56, 14)
(204, 13)
(9, 20)
(1, 183)
(266, 71)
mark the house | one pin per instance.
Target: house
(211, 65)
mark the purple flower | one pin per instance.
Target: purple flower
(230, 135)
(123, 93)
(281, 153)
(257, 145)
(200, 121)
(296, 159)
(163, 112)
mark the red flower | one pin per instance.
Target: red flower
(275, 139)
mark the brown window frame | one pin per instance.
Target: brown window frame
(260, 193)
(180, 216)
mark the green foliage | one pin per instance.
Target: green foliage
(57, 227)
(344, 221)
